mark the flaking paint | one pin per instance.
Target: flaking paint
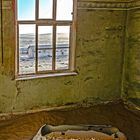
(99, 64)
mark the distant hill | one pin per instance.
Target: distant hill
(28, 39)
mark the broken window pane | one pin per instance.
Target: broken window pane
(26, 9)
(26, 49)
(64, 9)
(45, 9)
(45, 48)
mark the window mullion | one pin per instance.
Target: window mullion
(36, 51)
(70, 48)
(54, 48)
(18, 48)
(54, 34)
(36, 10)
(36, 36)
(54, 9)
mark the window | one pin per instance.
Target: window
(45, 36)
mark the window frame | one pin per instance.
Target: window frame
(54, 23)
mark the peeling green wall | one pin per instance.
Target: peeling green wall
(99, 62)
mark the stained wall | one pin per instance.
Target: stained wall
(99, 61)
(132, 59)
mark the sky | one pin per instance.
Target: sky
(24, 7)
(26, 11)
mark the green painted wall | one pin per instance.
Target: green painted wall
(99, 64)
(132, 79)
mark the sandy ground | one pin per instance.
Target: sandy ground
(28, 65)
(24, 127)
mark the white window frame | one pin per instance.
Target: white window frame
(54, 23)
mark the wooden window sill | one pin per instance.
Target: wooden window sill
(29, 77)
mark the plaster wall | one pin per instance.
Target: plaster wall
(99, 61)
(132, 79)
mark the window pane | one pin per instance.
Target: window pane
(45, 35)
(45, 48)
(26, 49)
(62, 36)
(64, 9)
(62, 58)
(26, 9)
(45, 9)
(62, 45)
(44, 59)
